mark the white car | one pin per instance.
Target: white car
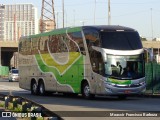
(13, 75)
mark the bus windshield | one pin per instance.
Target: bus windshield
(123, 40)
(124, 67)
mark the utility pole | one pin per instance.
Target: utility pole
(14, 27)
(109, 13)
(47, 16)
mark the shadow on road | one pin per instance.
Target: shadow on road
(99, 102)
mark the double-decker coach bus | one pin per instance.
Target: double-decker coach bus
(87, 60)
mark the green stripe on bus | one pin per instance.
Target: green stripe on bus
(122, 82)
(73, 76)
(57, 31)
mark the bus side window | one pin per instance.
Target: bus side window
(78, 45)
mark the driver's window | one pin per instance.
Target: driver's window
(97, 62)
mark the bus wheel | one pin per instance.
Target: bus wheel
(86, 91)
(41, 88)
(34, 89)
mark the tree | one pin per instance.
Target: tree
(143, 39)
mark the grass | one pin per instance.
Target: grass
(2, 104)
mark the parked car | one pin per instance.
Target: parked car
(13, 75)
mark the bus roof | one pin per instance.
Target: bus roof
(76, 29)
(109, 28)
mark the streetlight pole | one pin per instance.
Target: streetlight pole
(109, 13)
(151, 24)
(66, 17)
(73, 17)
(57, 20)
(82, 23)
(57, 15)
(63, 11)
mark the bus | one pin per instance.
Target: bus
(86, 60)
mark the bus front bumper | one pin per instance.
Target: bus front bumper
(117, 90)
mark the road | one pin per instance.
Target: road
(62, 103)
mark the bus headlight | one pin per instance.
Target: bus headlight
(142, 83)
(109, 83)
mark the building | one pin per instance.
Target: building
(2, 8)
(153, 46)
(17, 20)
(156, 39)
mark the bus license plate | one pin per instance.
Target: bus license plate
(127, 91)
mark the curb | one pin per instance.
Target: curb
(152, 95)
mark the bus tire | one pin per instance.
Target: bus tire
(41, 88)
(86, 91)
(34, 88)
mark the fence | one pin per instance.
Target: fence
(4, 70)
(152, 73)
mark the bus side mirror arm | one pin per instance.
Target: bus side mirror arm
(150, 51)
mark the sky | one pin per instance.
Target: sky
(142, 15)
